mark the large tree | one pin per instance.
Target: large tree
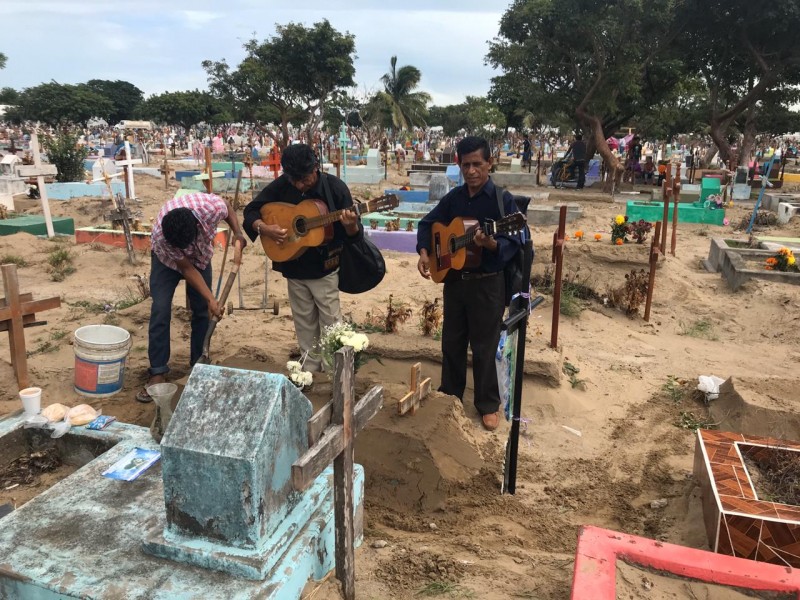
(3, 60)
(290, 77)
(9, 95)
(476, 116)
(742, 50)
(407, 106)
(124, 97)
(180, 108)
(598, 63)
(55, 103)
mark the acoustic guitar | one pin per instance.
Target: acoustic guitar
(453, 245)
(309, 223)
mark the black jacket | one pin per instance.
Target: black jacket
(314, 263)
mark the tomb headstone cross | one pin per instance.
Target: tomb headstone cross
(40, 170)
(331, 434)
(127, 166)
(419, 389)
(16, 312)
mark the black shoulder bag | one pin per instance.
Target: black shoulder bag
(517, 271)
(361, 264)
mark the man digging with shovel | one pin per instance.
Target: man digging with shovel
(182, 247)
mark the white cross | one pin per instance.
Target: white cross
(40, 170)
(106, 177)
(127, 165)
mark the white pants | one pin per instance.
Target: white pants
(315, 305)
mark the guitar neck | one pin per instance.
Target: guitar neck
(333, 217)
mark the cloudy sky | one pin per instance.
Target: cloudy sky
(158, 45)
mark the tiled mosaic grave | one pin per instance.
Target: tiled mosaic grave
(737, 521)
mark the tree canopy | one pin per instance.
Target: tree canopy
(289, 77)
(124, 97)
(55, 103)
(183, 108)
(408, 108)
(3, 59)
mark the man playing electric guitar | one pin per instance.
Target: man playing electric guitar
(312, 277)
(474, 301)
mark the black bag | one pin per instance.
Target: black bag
(517, 271)
(361, 264)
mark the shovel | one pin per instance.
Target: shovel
(237, 261)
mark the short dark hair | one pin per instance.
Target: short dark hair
(298, 160)
(472, 143)
(578, 136)
(179, 227)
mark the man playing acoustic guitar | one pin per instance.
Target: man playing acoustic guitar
(474, 300)
(313, 276)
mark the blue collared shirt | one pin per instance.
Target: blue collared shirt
(481, 206)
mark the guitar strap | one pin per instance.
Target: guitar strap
(500, 191)
(326, 191)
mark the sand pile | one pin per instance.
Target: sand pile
(758, 406)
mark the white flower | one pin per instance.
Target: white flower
(307, 378)
(293, 366)
(359, 342)
(301, 378)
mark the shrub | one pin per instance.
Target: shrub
(67, 155)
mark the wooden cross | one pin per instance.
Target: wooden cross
(330, 438)
(654, 252)
(419, 389)
(106, 178)
(166, 170)
(666, 193)
(40, 171)
(121, 215)
(273, 162)
(208, 175)
(127, 166)
(558, 259)
(676, 196)
(16, 312)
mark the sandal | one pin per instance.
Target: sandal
(143, 397)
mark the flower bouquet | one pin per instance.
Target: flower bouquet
(297, 375)
(784, 261)
(338, 336)
(619, 229)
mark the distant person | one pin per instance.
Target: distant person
(578, 151)
(182, 246)
(648, 170)
(526, 151)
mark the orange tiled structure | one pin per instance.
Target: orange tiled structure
(737, 522)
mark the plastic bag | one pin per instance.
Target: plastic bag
(709, 385)
(61, 427)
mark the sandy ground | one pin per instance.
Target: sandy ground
(432, 491)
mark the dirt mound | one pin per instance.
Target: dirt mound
(413, 462)
(762, 407)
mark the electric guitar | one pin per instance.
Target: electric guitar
(453, 245)
(309, 223)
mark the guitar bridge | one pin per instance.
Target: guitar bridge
(442, 260)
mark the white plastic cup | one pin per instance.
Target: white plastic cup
(31, 400)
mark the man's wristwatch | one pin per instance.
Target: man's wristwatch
(257, 227)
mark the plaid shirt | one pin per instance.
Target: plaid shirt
(209, 209)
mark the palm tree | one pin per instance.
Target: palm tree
(408, 108)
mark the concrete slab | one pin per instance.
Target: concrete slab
(82, 538)
(518, 180)
(548, 215)
(35, 225)
(786, 211)
(66, 191)
(399, 241)
(116, 238)
(740, 265)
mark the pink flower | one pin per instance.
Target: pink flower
(725, 221)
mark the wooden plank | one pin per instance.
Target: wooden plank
(318, 423)
(35, 306)
(26, 297)
(343, 502)
(16, 335)
(306, 469)
(27, 321)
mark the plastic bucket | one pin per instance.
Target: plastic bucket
(100, 354)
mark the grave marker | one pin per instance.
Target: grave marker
(16, 312)
(167, 171)
(127, 166)
(331, 435)
(419, 389)
(40, 170)
(558, 259)
(121, 215)
(654, 252)
(208, 175)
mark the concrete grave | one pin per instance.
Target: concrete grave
(516, 165)
(371, 173)
(419, 179)
(738, 266)
(786, 211)
(438, 187)
(36, 225)
(221, 506)
(771, 201)
(10, 182)
(549, 215)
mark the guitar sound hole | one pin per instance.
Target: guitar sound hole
(451, 245)
(300, 226)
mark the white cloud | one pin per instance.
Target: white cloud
(198, 19)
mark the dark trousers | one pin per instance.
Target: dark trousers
(580, 166)
(473, 315)
(163, 282)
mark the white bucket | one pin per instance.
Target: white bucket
(100, 353)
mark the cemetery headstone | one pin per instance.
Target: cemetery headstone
(438, 187)
(516, 165)
(127, 165)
